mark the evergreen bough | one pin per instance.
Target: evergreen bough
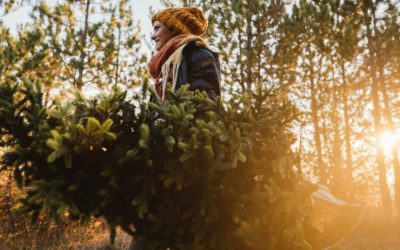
(188, 173)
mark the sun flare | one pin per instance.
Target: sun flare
(388, 139)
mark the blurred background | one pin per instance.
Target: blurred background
(338, 61)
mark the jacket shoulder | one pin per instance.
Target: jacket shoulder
(197, 52)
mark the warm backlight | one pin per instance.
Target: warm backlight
(388, 139)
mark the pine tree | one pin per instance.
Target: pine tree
(346, 36)
(188, 173)
(307, 24)
(369, 10)
(90, 44)
(246, 35)
(11, 5)
(385, 34)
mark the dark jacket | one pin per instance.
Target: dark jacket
(201, 69)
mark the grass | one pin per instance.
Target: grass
(18, 232)
(376, 230)
(67, 236)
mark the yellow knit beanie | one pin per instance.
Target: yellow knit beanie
(186, 20)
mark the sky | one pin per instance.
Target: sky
(140, 11)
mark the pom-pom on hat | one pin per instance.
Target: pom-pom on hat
(185, 20)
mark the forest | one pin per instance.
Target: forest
(308, 100)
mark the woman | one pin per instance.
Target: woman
(183, 56)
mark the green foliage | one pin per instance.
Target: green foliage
(20, 55)
(188, 173)
(68, 45)
(9, 5)
(85, 49)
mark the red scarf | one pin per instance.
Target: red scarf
(157, 61)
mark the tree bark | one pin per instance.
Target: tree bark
(314, 114)
(249, 51)
(79, 84)
(347, 128)
(389, 118)
(337, 143)
(385, 196)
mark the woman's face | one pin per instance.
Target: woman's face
(161, 34)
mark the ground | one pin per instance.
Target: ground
(375, 231)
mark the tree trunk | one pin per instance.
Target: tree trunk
(317, 133)
(79, 84)
(118, 55)
(249, 51)
(347, 128)
(241, 81)
(385, 197)
(8, 204)
(389, 118)
(339, 185)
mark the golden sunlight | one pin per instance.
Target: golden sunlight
(388, 139)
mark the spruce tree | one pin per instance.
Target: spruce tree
(91, 44)
(186, 173)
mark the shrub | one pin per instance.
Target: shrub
(188, 173)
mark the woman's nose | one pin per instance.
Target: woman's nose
(153, 36)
